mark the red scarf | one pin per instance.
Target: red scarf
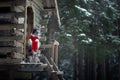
(34, 42)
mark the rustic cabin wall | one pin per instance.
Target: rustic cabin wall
(11, 38)
(37, 6)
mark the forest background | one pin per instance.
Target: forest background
(89, 39)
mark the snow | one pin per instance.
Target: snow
(87, 41)
(85, 1)
(69, 35)
(82, 34)
(90, 40)
(87, 13)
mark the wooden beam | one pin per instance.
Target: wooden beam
(10, 43)
(11, 15)
(17, 55)
(11, 26)
(11, 38)
(11, 49)
(11, 3)
(9, 61)
(20, 2)
(18, 33)
(57, 12)
(11, 32)
(5, 4)
(49, 64)
(38, 3)
(19, 14)
(56, 54)
(46, 46)
(18, 9)
(56, 67)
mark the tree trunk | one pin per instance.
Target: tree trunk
(119, 62)
(94, 65)
(102, 70)
(87, 67)
(80, 66)
(75, 67)
(108, 75)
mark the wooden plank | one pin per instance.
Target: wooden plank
(10, 43)
(36, 8)
(6, 32)
(17, 56)
(19, 8)
(11, 26)
(18, 33)
(11, 32)
(11, 38)
(18, 44)
(49, 64)
(11, 15)
(20, 2)
(44, 30)
(9, 61)
(56, 67)
(46, 46)
(6, 15)
(57, 12)
(11, 49)
(38, 3)
(5, 4)
(11, 3)
(19, 14)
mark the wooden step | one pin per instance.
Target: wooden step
(11, 26)
(5, 50)
(13, 3)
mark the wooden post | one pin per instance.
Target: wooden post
(25, 30)
(56, 44)
(52, 50)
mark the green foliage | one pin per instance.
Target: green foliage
(97, 19)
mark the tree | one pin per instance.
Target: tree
(91, 22)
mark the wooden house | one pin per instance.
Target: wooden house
(17, 20)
